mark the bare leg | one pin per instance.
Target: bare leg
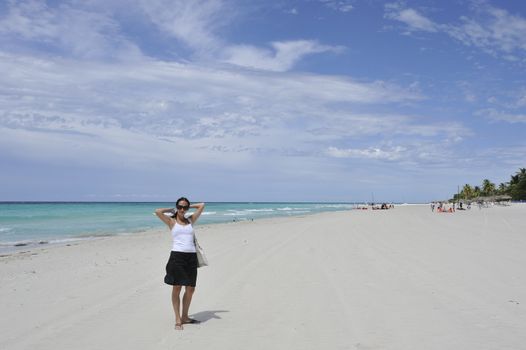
(187, 299)
(176, 305)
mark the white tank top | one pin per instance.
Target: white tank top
(183, 238)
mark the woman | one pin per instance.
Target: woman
(181, 269)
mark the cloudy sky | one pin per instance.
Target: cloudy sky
(329, 100)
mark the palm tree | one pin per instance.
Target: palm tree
(503, 188)
(467, 192)
(514, 179)
(476, 191)
(517, 186)
(488, 188)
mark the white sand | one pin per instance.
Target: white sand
(399, 279)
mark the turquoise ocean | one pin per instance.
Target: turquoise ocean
(29, 224)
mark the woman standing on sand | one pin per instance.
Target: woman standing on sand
(181, 269)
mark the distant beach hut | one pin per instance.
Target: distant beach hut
(485, 201)
(502, 198)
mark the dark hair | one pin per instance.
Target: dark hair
(182, 199)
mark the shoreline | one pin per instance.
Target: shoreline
(24, 246)
(30, 247)
(9, 247)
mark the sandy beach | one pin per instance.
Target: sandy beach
(404, 278)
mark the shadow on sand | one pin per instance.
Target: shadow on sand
(204, 316)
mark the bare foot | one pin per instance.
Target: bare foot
(179, 326)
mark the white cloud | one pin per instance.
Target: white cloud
(493, 30)
(467, 90)
(411, 17)
(345, 125)
(521, 101)
(93, 30)
(78, 31)
(99, 113)
(500, 116)
(281, 58)
(497, 31)
(292, 11)
(51, 104)
(193, 22)
(30, 20)
(369, 153)
(339, 5)
(197, 25)
(69, 107)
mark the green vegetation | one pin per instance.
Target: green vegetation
(515, 188)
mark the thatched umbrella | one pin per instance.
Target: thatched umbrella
(502, 198)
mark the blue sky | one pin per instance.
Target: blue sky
(259, 100)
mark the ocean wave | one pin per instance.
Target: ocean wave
(244, 212)
(236, 213)
(96, 235)
(292, 209)
(335, 206)
(76, 239)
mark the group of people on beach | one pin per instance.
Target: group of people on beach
(374, 206)
(443, 207)
(383, 206)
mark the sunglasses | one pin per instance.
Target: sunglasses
(184, 207)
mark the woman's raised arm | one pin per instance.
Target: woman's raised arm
(197, 213)
(167, 220)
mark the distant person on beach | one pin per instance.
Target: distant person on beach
(181, 269)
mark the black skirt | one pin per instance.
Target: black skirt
(181, 269)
